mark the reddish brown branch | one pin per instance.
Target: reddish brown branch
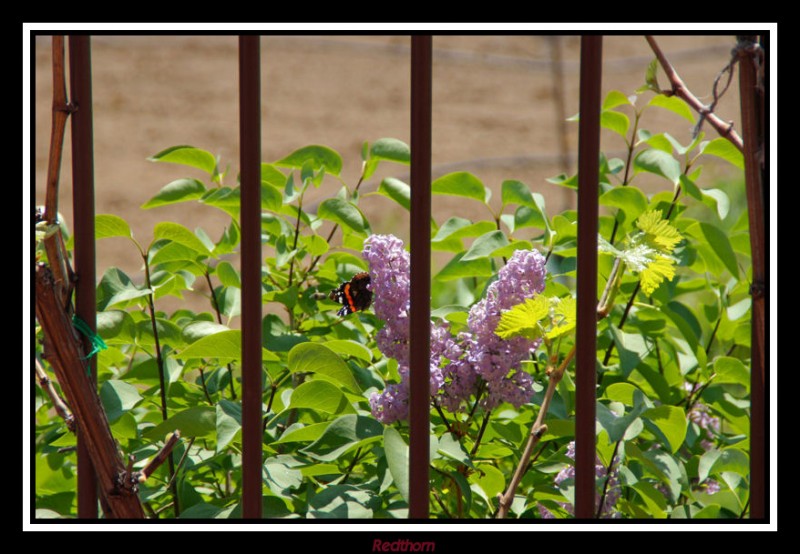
(66, 356)
(679, 89)
(58, 403)
(160, 458)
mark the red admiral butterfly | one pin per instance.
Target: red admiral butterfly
(354, 296)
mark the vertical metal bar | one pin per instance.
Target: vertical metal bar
(250, 221)
(753, 133)
(586, 339)
(419, 388)
(80, 73)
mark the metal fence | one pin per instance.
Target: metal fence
(752, 98)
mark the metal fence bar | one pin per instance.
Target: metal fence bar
(586, 334)
(419, 387)
(80, 77)
(751, 90)
(250, 220)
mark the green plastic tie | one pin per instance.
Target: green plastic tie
(97, 343)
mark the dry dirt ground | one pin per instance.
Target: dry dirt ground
(496, 113)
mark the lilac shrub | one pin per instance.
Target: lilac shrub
(458, 365)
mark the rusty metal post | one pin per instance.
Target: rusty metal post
(586, 334)
(250, 220)
(80, 77)
(752, 69)
(419, 388)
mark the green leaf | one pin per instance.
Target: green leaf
(299, 433)
(717, 198)
(116, 287)
(310, 357)
(343, 434)
(614, 99)
(450, 447)
(721, 246)
(225, 199)
(198, 329)
(396, 190)
(653, 499)
(616, 425)
(457, 269)
(118, 397)
(723, 148)
(223, 346)
(397, 459)
(731, 370)
(198, 422)
(630, 200)
(316, 156)
(229, 422)
(458, 228)
(485, 245)
(116, 327)
(188, 155)
(228, 275)
(321, 396)
(659, 163)
(731, 459)
(107, 226)
(344, 213)
(460, 184)
(673, 104)
(392, 150)
(668, 422)
(350, 348)
(181, 190)
(180, 234)
(631, 348)
(516, 192)
(615, 121)
(523, 319)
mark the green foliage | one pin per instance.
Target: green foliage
(673, 340)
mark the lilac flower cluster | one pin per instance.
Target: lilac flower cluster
(612, 490)
(457, 364)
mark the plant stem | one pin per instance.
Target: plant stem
(480, 434)
(219, 320)
(605, 485)
(537, 430)
(628, 161)
(296, 235)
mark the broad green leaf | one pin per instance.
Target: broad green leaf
(458, 228)
(457, 269)
(165, 252)
(198, 422)
(316, 156)
(630, 200)
(485, 245)
(508, 250)
(614, 99)
(188, 155)
(683, 317)
(396, 190)
(343, 434)
(490, 479)
(116, 327)
(653, 499)
(450, 447)
(181, 190)
(524, 319)
(721, 246)
(225, 199)
(116, 287)
(198, 329)
(272, 176)
(310, 357)
(736, 311)
(527, 216)
(715, 462)
(200, 511)
(659, 163)
(621, 392)
(107, 226)
(718, 199)
(731, 370)
(321, 396)
(350, 348)
(659, 230)
(180, 234)
(460, 184)
(673, 104)
(228, 275)
(631, 348)
(118, 397)
(615, 121)
(125, 427)
(669, 422)
(616, 425)
(516, 192)
(281, 474)
(299, 433)
(397, 459)
(225, 345)
(271, 197)
(229, 422)
(168, 333)
(229, 300)
(344, 213)
(314, 244)
(723, 148)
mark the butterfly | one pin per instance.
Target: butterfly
(353, 295)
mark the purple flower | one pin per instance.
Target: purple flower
(458, 365)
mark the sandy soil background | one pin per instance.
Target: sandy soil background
(496, 114)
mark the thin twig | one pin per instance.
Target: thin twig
(160, 458)
(219, 320)
(679, 89)
(605, 485)
(58, 403)
(480, 434)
